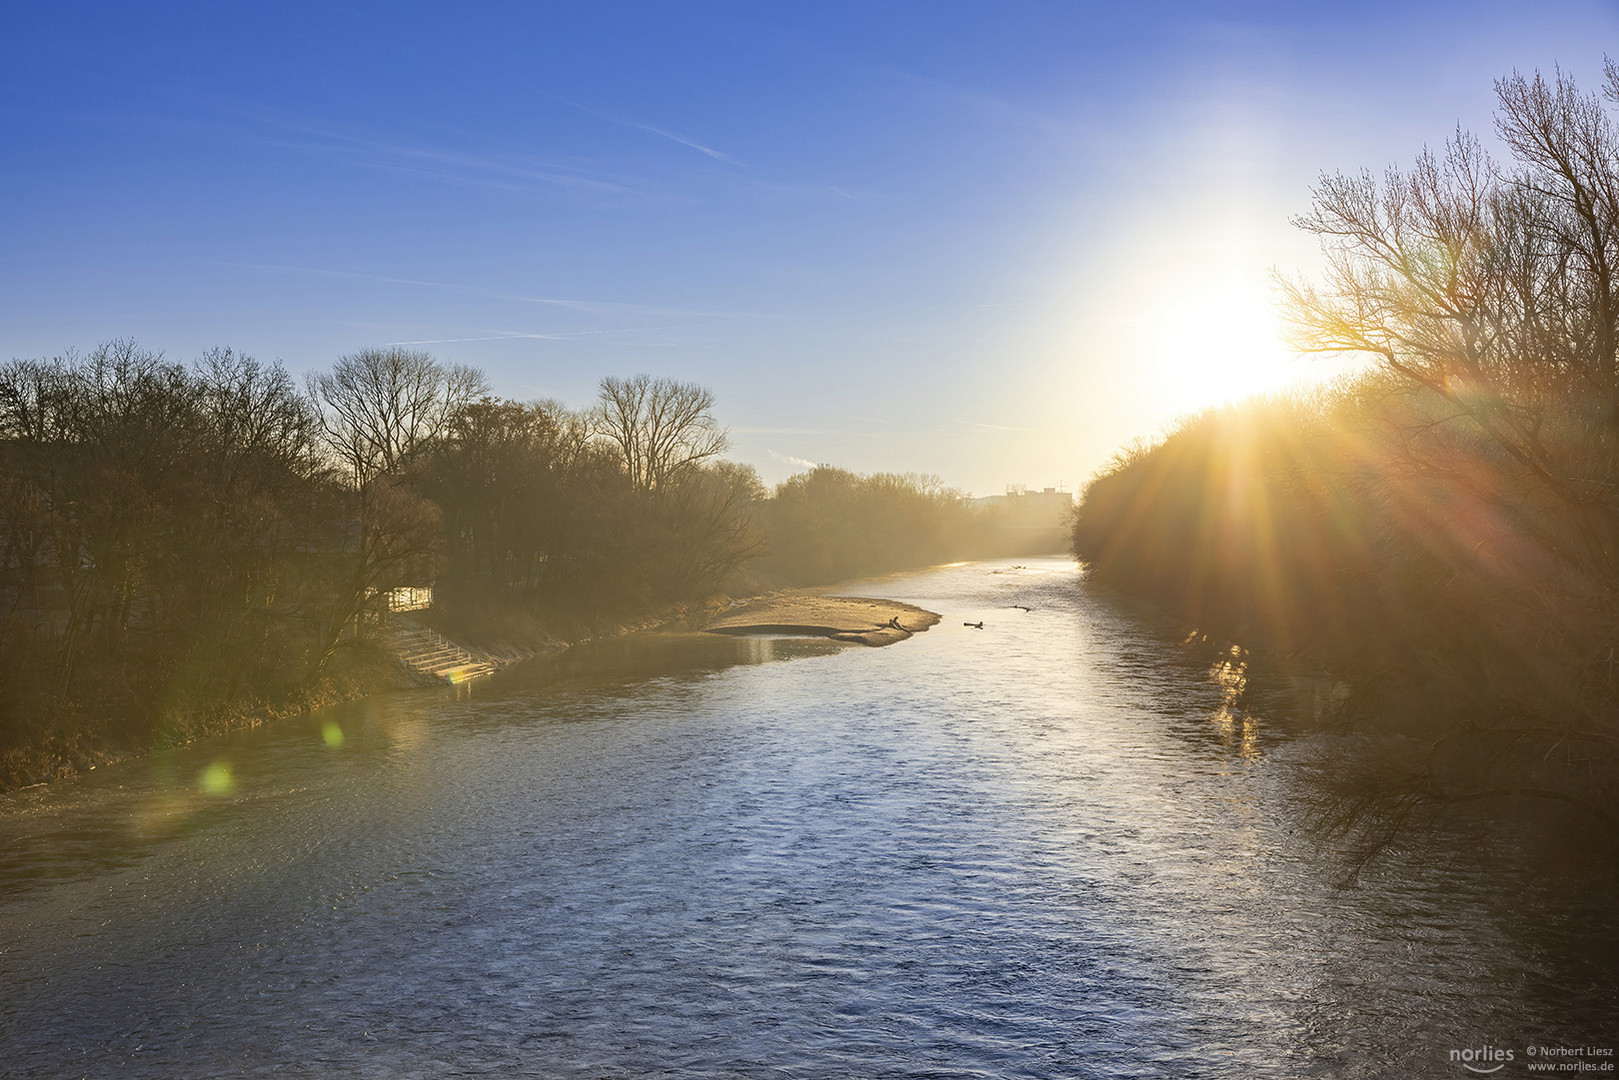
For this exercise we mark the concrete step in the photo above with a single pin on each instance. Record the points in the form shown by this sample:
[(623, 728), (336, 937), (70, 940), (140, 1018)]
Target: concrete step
[(428, 651), (459, 673), (434, 656)]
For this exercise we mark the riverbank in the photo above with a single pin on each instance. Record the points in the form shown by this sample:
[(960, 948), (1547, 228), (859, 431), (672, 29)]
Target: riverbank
[(1469, 610), (361, 672), (72, 749)]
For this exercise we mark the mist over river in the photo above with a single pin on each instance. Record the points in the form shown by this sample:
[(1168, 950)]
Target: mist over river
[(1052, 847)]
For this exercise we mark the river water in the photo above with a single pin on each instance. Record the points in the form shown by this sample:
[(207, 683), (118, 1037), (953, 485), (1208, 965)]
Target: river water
[(1053, 847)]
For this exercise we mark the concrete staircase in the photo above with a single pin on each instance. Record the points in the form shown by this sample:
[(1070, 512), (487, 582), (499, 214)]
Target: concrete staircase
[(431, 652)]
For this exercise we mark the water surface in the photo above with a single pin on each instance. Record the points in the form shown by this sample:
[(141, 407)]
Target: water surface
[(1048, 848)]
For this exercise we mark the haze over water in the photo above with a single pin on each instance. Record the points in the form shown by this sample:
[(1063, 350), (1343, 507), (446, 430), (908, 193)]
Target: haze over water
[(1048, 848)]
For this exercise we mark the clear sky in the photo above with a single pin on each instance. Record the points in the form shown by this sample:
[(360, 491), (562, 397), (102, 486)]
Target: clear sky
[(991, 241)]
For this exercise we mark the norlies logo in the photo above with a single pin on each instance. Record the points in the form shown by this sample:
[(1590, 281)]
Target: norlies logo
[(1489, 1058)]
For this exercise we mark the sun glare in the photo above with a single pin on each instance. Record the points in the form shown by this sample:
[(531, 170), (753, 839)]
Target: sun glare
[(1221, 348)]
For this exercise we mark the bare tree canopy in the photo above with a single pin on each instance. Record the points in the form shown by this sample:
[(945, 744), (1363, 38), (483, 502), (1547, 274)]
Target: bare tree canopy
[(255, 407), (379, 404), (1493, 286), (663, 429), (1472, 278)]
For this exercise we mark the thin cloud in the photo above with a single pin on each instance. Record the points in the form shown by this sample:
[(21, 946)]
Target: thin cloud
[(590, 307), (841, 433), (521, 335), (995, 109), (673, 136), (683, 141), (451, 166)]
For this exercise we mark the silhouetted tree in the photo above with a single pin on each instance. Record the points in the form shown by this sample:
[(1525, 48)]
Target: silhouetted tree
[(706, 528), (379, 404), (153, 531), (1495, 290), (662, 428), (827, 524), (503, 474)]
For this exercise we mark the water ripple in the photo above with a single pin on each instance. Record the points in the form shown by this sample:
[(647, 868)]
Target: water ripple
[(1049, 848)]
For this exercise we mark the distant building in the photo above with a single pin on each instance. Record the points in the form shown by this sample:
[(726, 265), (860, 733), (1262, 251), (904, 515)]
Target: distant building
[(1030, 522)]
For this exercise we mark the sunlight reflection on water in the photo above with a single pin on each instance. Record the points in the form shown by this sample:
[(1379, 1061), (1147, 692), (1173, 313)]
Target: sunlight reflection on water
[(1058, 846)]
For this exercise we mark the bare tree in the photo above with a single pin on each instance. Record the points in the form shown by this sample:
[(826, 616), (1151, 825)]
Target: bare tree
[(1570, 186), (663, 429), (710, 525), (1489, 295), (256, 418), (379, 404), (376, 407), (1494, 288)]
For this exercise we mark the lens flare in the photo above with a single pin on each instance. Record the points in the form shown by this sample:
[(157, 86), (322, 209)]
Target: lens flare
[(217, 779)]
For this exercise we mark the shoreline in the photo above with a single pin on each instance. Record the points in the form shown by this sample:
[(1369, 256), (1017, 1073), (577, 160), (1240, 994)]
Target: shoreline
[(858, 620), (66, 756)]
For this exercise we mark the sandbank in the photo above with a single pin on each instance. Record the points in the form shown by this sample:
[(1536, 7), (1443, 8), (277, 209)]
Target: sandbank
[(843, 618)]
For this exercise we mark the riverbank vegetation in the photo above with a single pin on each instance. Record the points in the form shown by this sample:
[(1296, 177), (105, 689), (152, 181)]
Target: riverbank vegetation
[(828, 524), (1443, 530), (186, 547)]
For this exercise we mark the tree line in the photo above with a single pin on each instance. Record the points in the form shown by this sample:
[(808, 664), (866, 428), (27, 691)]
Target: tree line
[(182, 544), (1444, 529)]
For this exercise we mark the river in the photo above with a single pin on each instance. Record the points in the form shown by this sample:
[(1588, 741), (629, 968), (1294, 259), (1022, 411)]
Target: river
[(1052, 847)]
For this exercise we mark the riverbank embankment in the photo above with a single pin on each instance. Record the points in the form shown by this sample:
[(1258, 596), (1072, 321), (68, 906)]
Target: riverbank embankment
[(388, 664), (82, 738)]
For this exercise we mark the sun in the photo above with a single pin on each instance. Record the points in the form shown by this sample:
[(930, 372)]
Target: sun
[(1219, 347)]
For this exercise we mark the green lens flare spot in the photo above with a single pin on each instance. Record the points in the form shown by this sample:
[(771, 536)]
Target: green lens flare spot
[(332, 734), (216, 779)]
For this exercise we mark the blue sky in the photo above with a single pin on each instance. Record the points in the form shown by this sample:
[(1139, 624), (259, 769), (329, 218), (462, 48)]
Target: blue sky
[(987, 241)]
